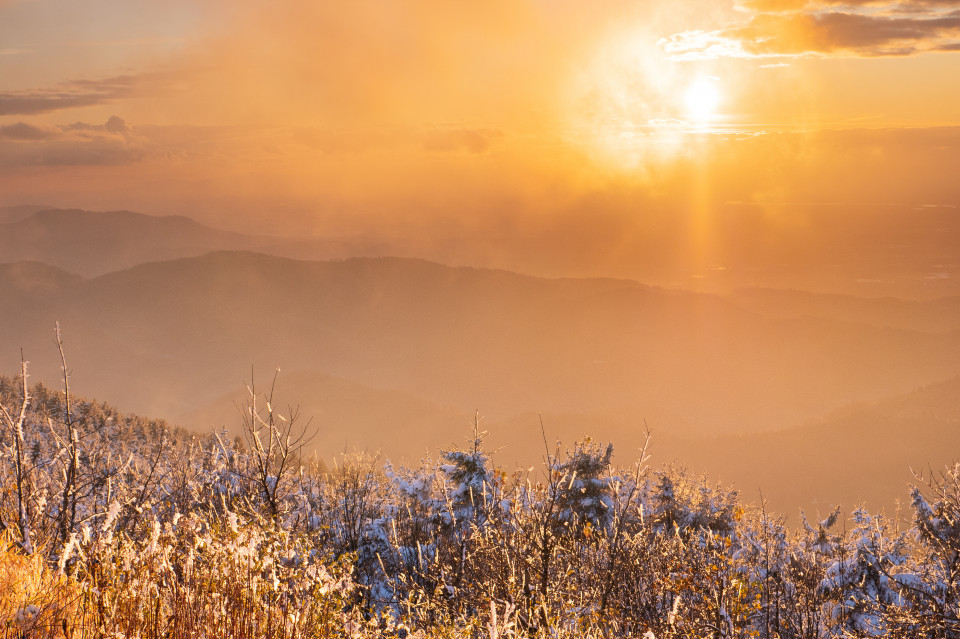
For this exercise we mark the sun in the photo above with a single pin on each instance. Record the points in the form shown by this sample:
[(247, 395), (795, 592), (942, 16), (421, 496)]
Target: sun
[(702, 99)]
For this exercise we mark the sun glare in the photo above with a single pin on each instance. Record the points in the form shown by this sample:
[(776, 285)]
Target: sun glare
[(702, 99)]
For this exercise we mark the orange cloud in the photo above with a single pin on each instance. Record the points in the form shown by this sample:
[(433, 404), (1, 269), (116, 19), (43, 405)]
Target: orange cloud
[(904, 6), (78, 144), (792, 28), (24, 131), (68, 95)]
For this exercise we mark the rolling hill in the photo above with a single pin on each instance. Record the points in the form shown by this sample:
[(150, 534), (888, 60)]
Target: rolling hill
[(862, 452), (93, 243), (169, 338), (16, 213), (399, 353)]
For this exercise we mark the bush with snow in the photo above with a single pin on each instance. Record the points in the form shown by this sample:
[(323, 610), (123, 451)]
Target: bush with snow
[(171, 534)]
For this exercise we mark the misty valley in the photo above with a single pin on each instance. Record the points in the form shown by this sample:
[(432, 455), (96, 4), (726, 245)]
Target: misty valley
[(814, 399), (222, 440)]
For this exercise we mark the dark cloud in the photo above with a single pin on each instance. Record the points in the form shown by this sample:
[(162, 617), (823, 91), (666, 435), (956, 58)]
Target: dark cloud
[(115, 125), (69, 95), (785, 6), (79, 144), (24, 131), (793, 28), (20, 103), (831, 32)]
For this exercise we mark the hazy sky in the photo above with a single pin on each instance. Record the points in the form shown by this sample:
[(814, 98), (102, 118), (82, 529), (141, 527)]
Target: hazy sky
[(597, 128)]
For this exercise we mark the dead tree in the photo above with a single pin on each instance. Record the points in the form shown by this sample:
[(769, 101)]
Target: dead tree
[(20, 470), (276, 443), (71, 444)]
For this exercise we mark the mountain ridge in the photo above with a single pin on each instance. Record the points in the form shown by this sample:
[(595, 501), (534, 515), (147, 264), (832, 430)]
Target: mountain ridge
[(435, 343), (373, 316), (92, 243)]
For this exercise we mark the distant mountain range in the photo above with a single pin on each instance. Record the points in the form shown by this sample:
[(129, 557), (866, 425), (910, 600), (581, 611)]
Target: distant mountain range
[(398, 354), (92, 243), (16, 213)]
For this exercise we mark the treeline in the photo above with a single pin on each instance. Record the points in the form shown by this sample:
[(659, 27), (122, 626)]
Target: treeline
[(116, 526)]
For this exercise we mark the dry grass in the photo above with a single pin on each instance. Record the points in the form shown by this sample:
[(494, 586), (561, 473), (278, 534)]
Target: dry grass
[(34, 601)]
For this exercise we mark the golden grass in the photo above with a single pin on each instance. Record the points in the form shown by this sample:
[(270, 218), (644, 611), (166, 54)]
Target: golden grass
[(34, 601)]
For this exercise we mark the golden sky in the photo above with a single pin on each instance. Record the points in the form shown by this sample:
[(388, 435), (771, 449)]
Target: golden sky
[(602, 129)]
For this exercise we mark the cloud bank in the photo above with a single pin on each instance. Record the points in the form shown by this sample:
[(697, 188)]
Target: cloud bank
[(791, 28), (78, 144), (69, 95)]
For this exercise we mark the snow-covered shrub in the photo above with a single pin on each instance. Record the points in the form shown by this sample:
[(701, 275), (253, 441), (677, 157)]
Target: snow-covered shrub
[(934, 592), (175, 536), (864, 581), (585, 486)]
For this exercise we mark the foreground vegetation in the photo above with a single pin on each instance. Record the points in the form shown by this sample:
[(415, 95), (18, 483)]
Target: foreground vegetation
[(117, 526)]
